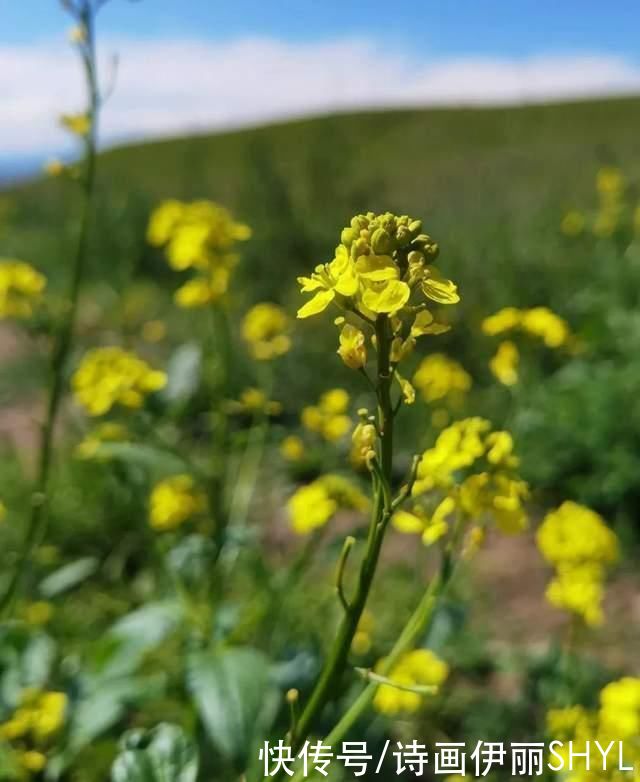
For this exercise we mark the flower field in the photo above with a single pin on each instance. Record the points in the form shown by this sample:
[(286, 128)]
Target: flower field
[(271, 448)]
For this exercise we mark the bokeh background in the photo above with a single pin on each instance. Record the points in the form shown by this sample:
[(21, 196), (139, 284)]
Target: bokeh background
[(512, 129)]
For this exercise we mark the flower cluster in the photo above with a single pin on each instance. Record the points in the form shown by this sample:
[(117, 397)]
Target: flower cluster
[(439, 376), (615, 210), (616, 719), (383, 267), (579, 545), (32, 726), (77, 124), (468, 476), (107, 432), (416, 674), (173, 501), (110, 376), (328, 418), (505, 362), (313, 505), (265, 330), (200, 235), (20, 288), (538, 322), (253, 401)]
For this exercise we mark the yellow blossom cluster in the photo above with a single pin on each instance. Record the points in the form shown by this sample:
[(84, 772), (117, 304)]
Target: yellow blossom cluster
[(439, 376), (504, 364), (198, 235), (32, 726), (614, 211), (363, 442), (468, 476), (328, 417), (20, 289), (112, 376), (265, 330), (292, 448), (538, 322), (578, 544), (173, 501), (313, 505), (77, 124), (107, 432), (417, 673), (616, 719), (253, 401), (382, 268)]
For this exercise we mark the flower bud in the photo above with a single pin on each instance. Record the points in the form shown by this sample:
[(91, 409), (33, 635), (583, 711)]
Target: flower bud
[(347, 236), (381, 242), (415, 227)]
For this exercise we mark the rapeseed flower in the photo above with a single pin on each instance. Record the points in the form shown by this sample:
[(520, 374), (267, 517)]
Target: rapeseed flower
[(253, 401), (328, 418), (416, 674), (579, 545), (112, 376), (504, 364), (173, 501), (198, 235), (265, 330), (292, 448), (381, 264), (108, 432), (538, 322), (78, 124), (573, 223), (439, 376), (21, 287), (313, 505)]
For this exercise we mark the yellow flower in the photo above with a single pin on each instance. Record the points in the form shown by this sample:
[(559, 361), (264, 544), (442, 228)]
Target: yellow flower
[(420, 668), (54, 167), (381, 261), (108, 432), (264, 329), (352, 348), (504, 364), (33, 761), (620, 708), (577, 542), (328, 417), (542, 322), (21, 287), (109, 376), (572, 223), (504, 320), (363, 443), (254, 400), (609, 181), (416, 521), (439, 376), (575, 534), (292, 448), (579, 590), (78, 124), (174, 501), (78, 34), (3, 511), (329, 279), (198, 235), (312, 506)]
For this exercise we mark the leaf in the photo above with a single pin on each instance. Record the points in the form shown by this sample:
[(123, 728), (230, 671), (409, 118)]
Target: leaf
[(235, 699), (184, 369), (68, 576), (164, 754)]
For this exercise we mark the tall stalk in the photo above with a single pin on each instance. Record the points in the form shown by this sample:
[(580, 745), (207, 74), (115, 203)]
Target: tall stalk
[(381, 513), (84, 14)]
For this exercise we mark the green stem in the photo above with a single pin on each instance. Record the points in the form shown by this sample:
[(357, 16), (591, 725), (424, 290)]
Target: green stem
[(37, 524), (413, 630), (337, 659)]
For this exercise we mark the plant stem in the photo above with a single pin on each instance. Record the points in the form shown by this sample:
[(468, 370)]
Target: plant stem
[(36, 527), (337, 660)]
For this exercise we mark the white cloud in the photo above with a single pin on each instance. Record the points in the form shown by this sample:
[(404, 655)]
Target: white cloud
[(175, 86)]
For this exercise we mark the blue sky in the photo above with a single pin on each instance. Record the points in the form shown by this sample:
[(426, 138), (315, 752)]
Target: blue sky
[(195, 65), (443, 27)]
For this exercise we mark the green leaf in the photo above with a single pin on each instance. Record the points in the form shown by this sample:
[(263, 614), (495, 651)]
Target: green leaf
[(68, 577), (235, 699), (164, 754)]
